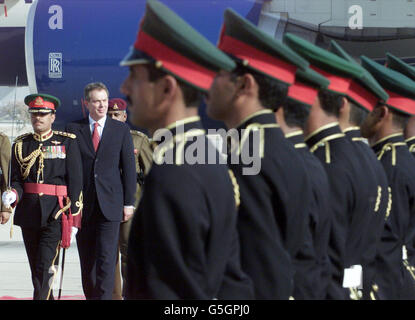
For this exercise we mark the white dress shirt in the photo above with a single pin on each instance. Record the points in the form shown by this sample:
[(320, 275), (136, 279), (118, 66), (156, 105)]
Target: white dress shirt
[(101, 123)]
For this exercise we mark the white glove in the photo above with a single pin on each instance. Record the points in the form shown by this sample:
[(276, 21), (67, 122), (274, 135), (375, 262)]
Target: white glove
[(73, 234), (8, 197)]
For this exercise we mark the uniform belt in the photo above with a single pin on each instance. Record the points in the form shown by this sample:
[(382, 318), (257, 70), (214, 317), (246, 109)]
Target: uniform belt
[(46, 189)]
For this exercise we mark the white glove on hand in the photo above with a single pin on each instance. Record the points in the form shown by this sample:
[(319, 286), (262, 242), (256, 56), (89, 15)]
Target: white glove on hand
[(8, 197), (73, 234)]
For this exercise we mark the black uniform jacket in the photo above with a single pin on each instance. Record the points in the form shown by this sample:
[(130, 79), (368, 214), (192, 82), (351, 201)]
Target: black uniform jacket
[(274, 201), (411, 145), (183, 242), (312, 262), (399, 165), (53, 159), (109, 174), (376, 176), (352, 200)]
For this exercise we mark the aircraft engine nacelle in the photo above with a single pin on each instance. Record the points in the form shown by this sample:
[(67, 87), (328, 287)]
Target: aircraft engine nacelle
[(71, 43)]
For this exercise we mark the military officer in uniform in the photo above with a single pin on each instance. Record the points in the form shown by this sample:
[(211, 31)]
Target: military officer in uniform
[(117, 110), (352, 195), (5, 148), (271, 220), (384, 128), (183, 241), (399, 65), (46, 185), (312, 266)]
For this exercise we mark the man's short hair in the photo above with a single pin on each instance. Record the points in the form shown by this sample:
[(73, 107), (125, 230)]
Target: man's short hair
[(295, 113), (357, 114), (192, 97), (399, 119), (272, 93), (331, 102), (94, 86)]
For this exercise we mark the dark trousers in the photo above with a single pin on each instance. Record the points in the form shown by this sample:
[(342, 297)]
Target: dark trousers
[(42, 248), (97, 247)]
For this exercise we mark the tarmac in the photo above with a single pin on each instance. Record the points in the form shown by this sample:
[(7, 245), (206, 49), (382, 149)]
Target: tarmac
[(15, 277)]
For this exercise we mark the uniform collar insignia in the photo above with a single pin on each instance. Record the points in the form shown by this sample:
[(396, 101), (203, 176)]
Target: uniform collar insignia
[(43, 137)]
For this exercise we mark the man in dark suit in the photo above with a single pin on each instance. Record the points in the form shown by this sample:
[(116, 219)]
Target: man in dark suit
[(109, 190)]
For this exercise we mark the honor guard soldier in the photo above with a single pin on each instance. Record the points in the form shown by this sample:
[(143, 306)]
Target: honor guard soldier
[(363, 95), (312, 265), (352, 197), (399, 65), (117, 110), (183, 242), (5, 148), (384, 128), (46, 187), (271, 220)]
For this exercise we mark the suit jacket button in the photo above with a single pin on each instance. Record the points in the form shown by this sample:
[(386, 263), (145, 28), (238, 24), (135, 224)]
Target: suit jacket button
[(95, 175)]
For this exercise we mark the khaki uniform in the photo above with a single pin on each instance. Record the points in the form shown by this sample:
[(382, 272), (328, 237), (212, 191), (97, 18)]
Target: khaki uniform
[(143, 159), (5, 148)]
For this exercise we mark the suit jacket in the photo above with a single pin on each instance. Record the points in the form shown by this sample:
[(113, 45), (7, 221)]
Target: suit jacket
[(109, 174)]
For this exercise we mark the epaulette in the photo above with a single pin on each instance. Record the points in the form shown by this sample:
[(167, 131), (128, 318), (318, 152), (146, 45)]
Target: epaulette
[(24, 135), (138, 133), (65, 134)]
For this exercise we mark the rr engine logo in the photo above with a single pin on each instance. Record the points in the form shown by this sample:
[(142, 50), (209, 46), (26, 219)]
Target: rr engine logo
[(55, 65)]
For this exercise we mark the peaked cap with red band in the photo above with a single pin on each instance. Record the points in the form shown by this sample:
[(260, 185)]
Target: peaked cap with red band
[(116, 104), (306, 86), (339, 71), (43, 103), (256, 50), (364, 91), (170, 44), (400, 88)]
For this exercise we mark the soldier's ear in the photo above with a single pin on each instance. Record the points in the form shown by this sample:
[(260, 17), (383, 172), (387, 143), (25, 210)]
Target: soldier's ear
[(53, 117), (246, 83)]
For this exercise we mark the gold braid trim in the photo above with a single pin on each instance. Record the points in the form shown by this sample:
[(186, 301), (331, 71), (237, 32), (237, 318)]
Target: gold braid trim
[(388, 210), (79, 204), (235, 188), (355, 294), (65, 208), (378, 198), (412, 148), (65, 134), (27, 163), (409, 268), (391, 146)]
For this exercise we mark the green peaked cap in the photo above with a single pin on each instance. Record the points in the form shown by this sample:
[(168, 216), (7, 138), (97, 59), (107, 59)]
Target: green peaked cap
[(257, 50), (41, 102), (399, 65), (172, 45), (366, 80), (398, 85), (326, 61), (312, 78), (306, 87)]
